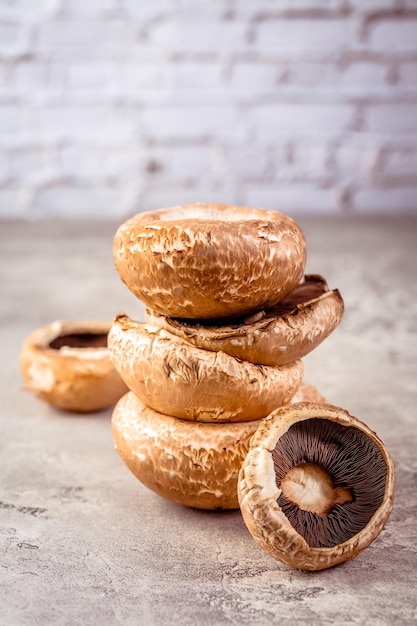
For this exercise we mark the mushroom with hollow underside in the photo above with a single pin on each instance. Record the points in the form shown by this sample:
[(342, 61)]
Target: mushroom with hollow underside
[(316, 487), (289, 331), (67, 364)]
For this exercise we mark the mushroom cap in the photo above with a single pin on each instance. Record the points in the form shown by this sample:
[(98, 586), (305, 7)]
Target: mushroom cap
[(203, 261), (194, 464), (176, 378), (258, 491), (80, 379), (281, 335)]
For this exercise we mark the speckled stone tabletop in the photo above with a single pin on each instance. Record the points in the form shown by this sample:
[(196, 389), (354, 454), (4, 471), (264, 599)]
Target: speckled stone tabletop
[(83, 542)]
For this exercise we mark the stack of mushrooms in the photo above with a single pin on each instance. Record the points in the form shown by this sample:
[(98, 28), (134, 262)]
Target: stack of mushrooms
[(215, 375)]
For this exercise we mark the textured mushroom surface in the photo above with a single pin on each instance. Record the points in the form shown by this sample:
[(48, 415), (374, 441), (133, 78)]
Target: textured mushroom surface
[(67, 364), (195, 464), (281, 335), (316, 487), (174, 377), (210, 260)]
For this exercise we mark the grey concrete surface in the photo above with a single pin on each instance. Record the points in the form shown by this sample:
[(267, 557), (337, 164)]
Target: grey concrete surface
[(83, 542)]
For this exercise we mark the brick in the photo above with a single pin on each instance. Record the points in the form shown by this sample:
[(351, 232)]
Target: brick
[(9, 32), (369, 6), (103, 124), (199, 36), (397, 200), (78, 202), (12, 205), (392, 118), (407, 73), (303, 36), (123, 77), (143, 75), (27, 10), (291, 199), (304, 8), (276, 120), (394, 35), (400, 164), (89, 162), (33, 165), (4, 167), (179, 163), (254, 76), (201, 10), (365, 74), (92, 8), (4, 82), (185, 122), (88, 75), (355, 159), (12, 119), (148, 10), (306, 73), (301, 160), (83, 162), (14, 39), (194, 74), (69, 40), (249, 161), (30, 76), (124, 161)]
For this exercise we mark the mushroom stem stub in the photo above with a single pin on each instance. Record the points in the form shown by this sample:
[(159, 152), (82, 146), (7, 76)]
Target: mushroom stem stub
[(309, 487)]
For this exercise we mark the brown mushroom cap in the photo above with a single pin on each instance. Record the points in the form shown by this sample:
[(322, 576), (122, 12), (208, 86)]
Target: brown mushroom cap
[(281, 335), (202, 261), (67, 364), (174, 377), (194, 464), (316, 487)]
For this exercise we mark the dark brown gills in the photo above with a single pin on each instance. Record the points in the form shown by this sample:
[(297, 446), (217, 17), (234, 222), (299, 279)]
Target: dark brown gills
[(352, 461), (81, 340)]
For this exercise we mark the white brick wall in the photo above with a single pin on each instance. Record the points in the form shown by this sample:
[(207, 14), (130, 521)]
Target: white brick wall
[(109, 107)]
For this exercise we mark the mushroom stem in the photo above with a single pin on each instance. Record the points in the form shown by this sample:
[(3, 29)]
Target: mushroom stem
[(310, 487)]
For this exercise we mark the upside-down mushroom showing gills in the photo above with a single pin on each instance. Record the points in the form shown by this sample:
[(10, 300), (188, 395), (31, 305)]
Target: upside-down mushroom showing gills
[(67, 364), (291, 329), (316, 487)]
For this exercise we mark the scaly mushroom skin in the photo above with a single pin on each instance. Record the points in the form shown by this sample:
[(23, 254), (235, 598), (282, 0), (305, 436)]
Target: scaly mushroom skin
[(78, 379), (174, 377), (258, 493), (203, 261), (193, 464), (281, 335)]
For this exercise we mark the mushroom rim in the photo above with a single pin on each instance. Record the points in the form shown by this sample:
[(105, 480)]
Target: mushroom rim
[(130, 340), (40, 339), (193, 464), (207, 212), (262, 472), (242, 326)]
